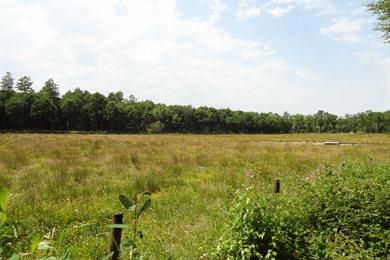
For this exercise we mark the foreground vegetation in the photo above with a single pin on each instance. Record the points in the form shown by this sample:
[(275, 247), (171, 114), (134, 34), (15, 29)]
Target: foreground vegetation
[(66, 187), (343, 215), (23, 109)]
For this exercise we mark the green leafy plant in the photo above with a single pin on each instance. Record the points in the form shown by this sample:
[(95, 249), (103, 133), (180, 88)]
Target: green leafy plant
[(262, 229), (4, 195), (8, 232), (350, 209), (135, 207), (345, 214)]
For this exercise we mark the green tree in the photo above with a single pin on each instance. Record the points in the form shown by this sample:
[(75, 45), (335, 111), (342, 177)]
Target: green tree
[(116, 96), (319, 121), (298, 123), (7, 82), (17, 110), (44, 113), (141, 115), (6, 92), (381, 8), (346, 124), (24, 85), (2, 115), (72, 110), (51, 90), (94, 109), (117, 116), (202, 120), (45, 110)]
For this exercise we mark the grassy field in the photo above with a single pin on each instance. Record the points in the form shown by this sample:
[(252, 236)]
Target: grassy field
[(71, 182)]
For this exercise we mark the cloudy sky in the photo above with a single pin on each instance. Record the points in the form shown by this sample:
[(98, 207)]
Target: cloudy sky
[(255, 55)]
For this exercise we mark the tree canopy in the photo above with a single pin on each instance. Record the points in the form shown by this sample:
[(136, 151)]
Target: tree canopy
[(80, 110), (382, 9)]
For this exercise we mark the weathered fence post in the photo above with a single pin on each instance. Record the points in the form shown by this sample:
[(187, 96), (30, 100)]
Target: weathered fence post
[(116, 235), (277, 186)]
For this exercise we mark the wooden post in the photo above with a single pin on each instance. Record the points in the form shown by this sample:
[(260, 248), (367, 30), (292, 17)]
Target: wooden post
[(277, 186), (116, 235)]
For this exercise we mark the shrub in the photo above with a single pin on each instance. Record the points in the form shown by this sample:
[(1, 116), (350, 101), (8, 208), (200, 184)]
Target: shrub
[(155, 128), (263, 229), (351, 205), (345, 214)]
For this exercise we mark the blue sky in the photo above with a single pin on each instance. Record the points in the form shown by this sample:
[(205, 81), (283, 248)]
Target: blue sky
[(298, 56)]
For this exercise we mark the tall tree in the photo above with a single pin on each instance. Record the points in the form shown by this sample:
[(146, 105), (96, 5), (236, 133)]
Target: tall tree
[(2, 116), (94, 109), (51, 90), (117, 116), (72, 109), (24, 85), (6, 92), (45, 113), (382, 9), (17, 109), (7, 82)]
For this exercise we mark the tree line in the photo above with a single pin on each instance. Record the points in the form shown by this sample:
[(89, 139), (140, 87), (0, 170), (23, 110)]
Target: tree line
[(21, 108)]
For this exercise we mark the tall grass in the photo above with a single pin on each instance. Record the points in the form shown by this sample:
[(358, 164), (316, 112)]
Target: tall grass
[(71, 182)]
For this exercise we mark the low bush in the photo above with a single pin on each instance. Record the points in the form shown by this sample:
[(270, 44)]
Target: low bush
[(344, 214)]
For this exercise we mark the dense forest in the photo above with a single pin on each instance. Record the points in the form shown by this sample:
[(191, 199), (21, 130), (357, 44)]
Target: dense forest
[(21, 108)]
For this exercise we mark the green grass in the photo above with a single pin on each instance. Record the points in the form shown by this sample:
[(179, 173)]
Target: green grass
[(71, 182)]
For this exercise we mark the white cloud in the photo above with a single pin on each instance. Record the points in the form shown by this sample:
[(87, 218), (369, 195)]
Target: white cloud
[(147, 49), (279, 11), (324, 5), (217, 7), (346, 30), (247, 9), (280, 7)]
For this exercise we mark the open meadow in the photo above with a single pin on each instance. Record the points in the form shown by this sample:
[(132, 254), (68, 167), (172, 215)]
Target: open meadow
[(68, 184)]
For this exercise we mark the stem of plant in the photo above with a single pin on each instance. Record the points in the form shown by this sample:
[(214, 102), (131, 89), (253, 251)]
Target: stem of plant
[(135, 228), (135, 219)]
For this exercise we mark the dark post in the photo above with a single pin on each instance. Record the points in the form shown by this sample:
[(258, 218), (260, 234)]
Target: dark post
[(116, 237), (277, 186)]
